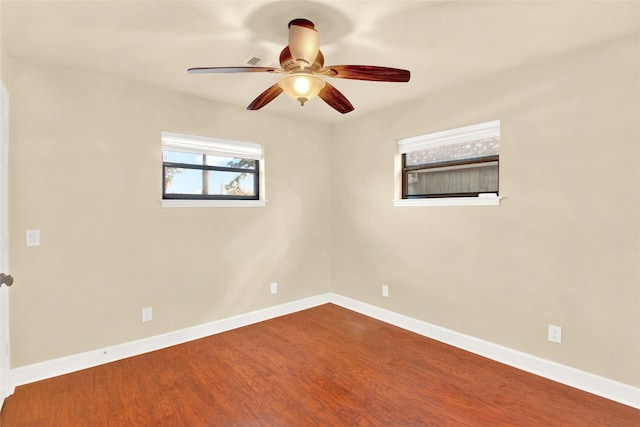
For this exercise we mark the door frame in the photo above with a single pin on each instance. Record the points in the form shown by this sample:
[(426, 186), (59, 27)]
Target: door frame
[(6, 387)]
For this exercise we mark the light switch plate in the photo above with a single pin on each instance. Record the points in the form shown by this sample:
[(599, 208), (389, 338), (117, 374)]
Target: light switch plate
[(33, 237), (147, 314)]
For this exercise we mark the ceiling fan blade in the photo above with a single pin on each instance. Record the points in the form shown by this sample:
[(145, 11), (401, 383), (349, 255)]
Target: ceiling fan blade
[(203, 70), (368, 72), (335, 99), (265, 97)]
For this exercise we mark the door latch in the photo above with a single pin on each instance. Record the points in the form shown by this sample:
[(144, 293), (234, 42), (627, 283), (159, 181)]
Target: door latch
[(6, 279)]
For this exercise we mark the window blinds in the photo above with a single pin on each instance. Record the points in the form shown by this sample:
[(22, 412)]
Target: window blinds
[(173, 141), (482, 131)]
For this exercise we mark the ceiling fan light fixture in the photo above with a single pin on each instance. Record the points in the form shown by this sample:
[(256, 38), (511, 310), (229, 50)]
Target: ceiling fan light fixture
[(301, 86), (302, 62)]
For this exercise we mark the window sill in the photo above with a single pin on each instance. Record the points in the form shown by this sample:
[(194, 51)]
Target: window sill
[(450, 201), (175, 203)]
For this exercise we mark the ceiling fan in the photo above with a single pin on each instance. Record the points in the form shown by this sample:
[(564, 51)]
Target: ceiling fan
[(303, 66)]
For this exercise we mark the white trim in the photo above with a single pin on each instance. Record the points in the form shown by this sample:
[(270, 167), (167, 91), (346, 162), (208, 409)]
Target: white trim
[(213, 146), (6, 387), (450, 136), (586, 381), (450, 201), (184, 203), (609, 389), (64, 365)]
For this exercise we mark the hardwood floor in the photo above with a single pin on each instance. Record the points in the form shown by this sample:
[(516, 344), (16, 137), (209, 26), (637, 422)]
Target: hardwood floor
[(326, 366)]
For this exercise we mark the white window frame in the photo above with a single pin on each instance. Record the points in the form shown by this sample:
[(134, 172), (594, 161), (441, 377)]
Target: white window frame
[(439, 139), (198, 144)]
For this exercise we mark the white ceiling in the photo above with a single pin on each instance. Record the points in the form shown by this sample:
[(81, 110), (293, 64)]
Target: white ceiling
[(442, 43)]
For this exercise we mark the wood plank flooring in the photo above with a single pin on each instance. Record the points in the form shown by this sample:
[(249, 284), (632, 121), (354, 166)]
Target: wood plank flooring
[(326, 366)]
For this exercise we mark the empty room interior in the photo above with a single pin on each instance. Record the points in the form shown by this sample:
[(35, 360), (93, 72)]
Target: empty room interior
[(331, 225)]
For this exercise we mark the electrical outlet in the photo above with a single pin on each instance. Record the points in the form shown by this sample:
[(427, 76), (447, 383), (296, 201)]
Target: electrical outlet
[(385, 290), (274, 288), (147, 314), (555, 334)]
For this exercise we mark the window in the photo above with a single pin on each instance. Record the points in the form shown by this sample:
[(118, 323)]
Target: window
[(456, 163), (205, 170)]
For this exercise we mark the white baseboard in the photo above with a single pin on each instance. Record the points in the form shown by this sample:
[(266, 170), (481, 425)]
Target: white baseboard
[(604, 387), (582, 380), (64, 365)]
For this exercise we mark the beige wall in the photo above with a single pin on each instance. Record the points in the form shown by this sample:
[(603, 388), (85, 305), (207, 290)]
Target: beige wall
[(86, 171), (3, 53), (563, 247)]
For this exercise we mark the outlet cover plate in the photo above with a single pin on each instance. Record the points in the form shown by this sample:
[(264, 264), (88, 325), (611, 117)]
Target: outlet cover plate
[(555, 334)]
